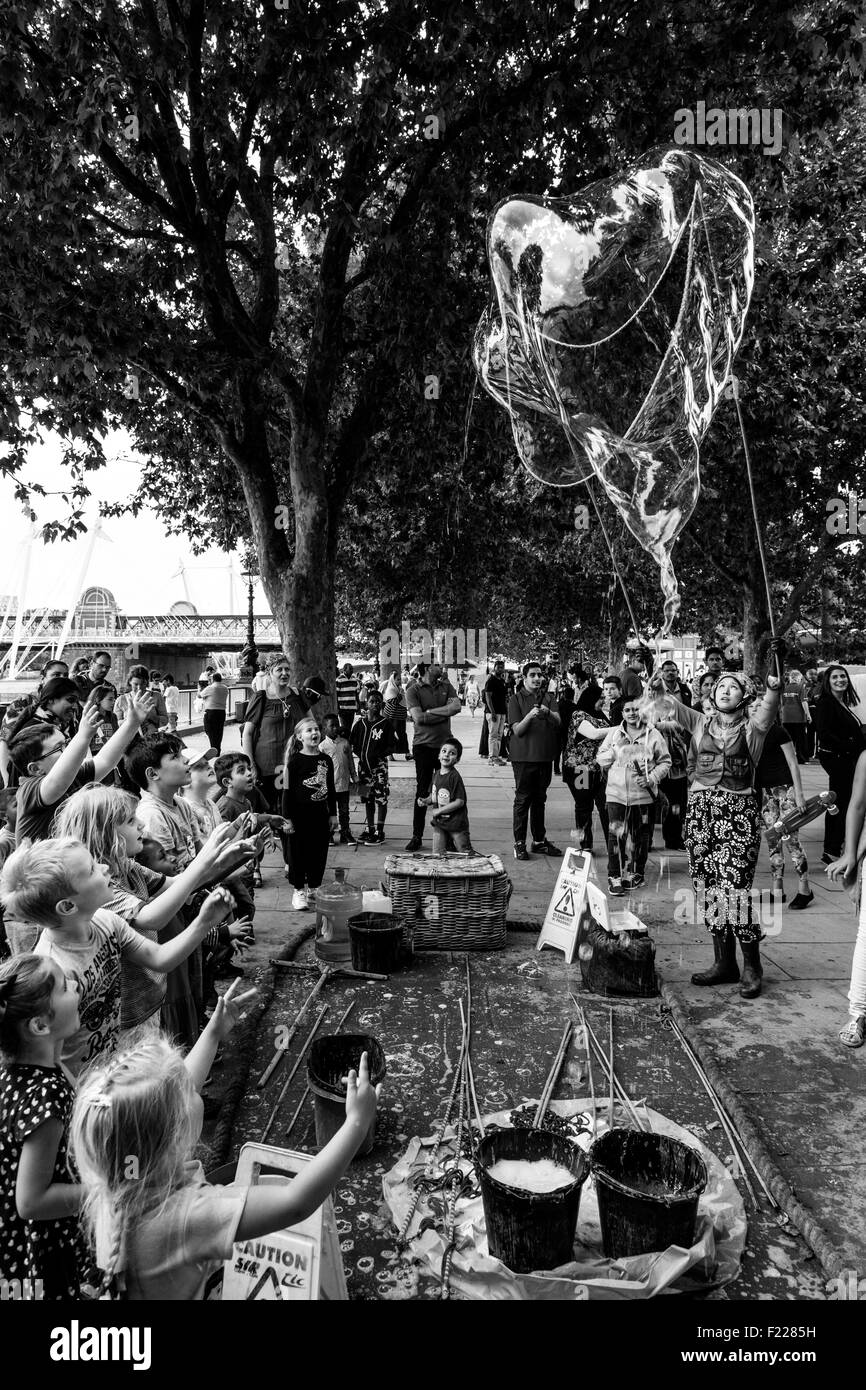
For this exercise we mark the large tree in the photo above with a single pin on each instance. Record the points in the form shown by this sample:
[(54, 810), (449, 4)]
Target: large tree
[(234, 228)]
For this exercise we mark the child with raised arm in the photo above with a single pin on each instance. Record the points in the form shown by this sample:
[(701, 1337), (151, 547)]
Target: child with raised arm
[(38, 1199), (105, 821), (59, 886), (164, 1236), (52, 767)]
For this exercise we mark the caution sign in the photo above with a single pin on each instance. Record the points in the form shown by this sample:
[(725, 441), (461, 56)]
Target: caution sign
[(302, 1263), (566, 905), (276, 1267)]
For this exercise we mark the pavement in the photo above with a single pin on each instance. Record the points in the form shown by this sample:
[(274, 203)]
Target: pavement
[(781, 1052)]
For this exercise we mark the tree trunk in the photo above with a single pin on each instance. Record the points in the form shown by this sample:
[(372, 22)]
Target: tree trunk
[(299, 582)]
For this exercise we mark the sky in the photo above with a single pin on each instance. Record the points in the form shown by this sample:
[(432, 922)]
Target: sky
[(135, 558)]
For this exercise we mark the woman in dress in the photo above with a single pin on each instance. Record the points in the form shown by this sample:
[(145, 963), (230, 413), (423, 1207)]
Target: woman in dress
[(839, 737), (723, 822)]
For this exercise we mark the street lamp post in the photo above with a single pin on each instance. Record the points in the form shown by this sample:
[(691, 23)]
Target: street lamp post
[(251, 652)]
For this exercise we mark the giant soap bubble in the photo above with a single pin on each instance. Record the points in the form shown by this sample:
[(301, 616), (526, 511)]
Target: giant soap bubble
[(617, 316)]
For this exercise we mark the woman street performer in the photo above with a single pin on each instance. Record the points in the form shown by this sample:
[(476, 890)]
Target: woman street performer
[(723, 822)]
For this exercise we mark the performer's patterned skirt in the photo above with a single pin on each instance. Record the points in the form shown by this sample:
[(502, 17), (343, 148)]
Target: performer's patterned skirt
[(723, 838)]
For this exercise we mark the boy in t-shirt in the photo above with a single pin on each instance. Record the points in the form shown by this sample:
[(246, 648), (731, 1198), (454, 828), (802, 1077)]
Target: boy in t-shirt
[(59, 886), (372, 740), (450, 822), (233, 774), (339, 750), (780, 786), (52, 767), (197, 794)]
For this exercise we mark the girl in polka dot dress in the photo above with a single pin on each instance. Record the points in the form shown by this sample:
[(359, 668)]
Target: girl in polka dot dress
[(39, 1235)]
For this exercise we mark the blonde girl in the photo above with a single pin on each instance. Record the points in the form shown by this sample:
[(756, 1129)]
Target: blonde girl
[(160, 1231), (38, 1200), (105, 821)]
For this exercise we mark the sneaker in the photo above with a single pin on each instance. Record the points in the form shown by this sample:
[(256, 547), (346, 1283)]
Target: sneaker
[(310, 895), (545, 847), (637, 881), (299, 900), (369, 838), (347, 838), (615, 888), (380, 835), (520, 851), (854, 1033), (801, 900), (414, 845)]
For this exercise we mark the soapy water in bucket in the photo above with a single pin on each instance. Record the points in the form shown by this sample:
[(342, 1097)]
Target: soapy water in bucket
[(531, 1175), (618, 314)]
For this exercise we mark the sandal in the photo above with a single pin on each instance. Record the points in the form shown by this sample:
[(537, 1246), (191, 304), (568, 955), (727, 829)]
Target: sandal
[(854, 1032)]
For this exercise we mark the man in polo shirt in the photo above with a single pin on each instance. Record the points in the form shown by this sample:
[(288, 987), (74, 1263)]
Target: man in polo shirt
[(214, 697), (535, 726), (496, 708), (347, 698), (430, 702)]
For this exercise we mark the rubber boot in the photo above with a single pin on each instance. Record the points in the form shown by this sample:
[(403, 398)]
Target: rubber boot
[(750, 986), (724, 971)]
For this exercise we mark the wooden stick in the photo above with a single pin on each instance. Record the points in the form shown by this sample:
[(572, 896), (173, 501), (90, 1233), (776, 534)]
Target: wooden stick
[(475, 1104), (591, 1082), (582, 1021), (620, 1089), (338, 970), (304, 1098), (299, 1017), (291, 1076), (610, 1074), (727, 1124), (553, 1075)]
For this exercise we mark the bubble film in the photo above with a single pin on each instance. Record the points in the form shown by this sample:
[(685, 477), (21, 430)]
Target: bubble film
[(617, 315)]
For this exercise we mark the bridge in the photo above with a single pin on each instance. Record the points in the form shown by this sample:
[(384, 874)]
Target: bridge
[(150, 629)]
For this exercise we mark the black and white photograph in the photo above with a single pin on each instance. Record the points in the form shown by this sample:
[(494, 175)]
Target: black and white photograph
[(432, 672)]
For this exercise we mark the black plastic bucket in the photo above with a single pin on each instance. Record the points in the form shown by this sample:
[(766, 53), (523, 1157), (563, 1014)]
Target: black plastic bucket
[(331, 1058), (376, 939), (530, 1230), (648, 1187)]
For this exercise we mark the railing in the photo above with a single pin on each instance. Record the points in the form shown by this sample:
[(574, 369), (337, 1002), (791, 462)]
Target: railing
[(187, 714), (160, 627)]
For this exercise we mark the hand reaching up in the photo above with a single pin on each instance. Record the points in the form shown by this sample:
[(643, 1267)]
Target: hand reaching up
[(361, 1097)]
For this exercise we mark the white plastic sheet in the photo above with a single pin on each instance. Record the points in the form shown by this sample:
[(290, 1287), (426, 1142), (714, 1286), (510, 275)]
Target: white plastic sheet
[(712, 1261)]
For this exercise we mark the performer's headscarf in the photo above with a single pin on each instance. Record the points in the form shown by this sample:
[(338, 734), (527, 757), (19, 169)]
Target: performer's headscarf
[(747, 686)]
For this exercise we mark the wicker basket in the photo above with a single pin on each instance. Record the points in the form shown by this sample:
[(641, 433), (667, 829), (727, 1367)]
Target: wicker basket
[(463, 898)]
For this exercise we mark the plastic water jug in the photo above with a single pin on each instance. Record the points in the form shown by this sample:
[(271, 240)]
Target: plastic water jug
[(335, 903)]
